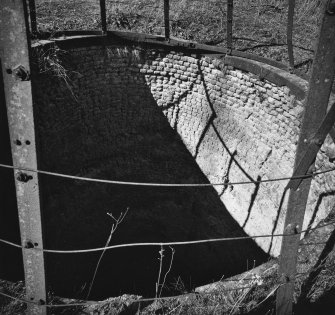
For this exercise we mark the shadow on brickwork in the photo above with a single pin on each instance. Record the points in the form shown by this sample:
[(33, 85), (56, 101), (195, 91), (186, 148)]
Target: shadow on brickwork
[(276, 221), (116, 130), (226, 177), (233, 155)]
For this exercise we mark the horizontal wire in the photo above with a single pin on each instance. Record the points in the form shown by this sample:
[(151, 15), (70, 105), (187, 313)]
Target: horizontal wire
[(168, 297), (107, 181), (78, 251)]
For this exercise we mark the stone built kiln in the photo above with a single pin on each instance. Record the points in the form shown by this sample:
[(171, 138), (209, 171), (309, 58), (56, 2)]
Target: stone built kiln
[(148, 114)]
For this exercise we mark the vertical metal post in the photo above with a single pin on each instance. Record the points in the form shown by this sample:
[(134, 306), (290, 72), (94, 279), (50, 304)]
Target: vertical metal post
[(315, 108), (167, 19), (14, 52), (289, 33), (32, 14), (230, 7), (103, 16)]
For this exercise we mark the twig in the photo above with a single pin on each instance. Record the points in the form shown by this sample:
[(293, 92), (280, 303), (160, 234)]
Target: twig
[(179, 305), (239, 301), (161, 256), (171, 261), (117, 222)]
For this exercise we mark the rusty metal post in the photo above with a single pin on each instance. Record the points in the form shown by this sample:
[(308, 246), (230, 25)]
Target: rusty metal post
[(14, 53), (167, 19), (315, 109), (230, 7), (289, 33), (32, 14), (103, 16)]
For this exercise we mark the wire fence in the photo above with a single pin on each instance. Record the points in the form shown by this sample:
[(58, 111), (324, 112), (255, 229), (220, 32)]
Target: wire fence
[(178, 22), (316, 173), (161, 244)]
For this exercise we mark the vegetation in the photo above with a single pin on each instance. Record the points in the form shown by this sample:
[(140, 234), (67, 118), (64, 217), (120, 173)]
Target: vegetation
[(258, 26), (255, 298)]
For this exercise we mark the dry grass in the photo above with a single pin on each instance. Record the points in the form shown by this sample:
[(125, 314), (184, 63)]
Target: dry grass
[(259, 26), (51, 61), (9, 306), (254, 297)]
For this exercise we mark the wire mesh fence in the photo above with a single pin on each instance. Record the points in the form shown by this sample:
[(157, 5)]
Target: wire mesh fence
[(243, 285)]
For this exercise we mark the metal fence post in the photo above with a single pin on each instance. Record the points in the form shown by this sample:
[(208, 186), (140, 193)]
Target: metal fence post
[(315, 109), (32, 14), (14, 52), (167, 19), (103, 16), (230, 7), (289, 33)]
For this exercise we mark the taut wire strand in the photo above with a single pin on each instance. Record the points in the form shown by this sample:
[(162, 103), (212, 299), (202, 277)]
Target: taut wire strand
[(116, 182), (90, 250)]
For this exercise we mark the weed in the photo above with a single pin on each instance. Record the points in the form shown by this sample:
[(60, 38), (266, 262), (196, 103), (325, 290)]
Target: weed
[(131, 56), (49, 61), (117, 222), (159, 285)]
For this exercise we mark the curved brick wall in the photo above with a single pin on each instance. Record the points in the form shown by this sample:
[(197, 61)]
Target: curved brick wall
[(160, 116)]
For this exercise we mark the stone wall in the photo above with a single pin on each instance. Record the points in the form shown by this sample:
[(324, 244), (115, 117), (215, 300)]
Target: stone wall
[(166, 117), (238, 127), (241, 128)]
